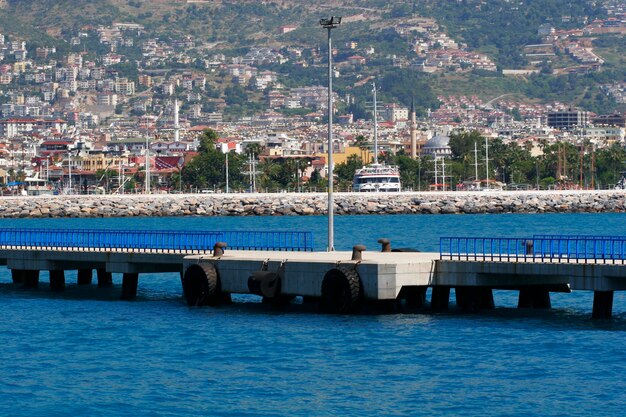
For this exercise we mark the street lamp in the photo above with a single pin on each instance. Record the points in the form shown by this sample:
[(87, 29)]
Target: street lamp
[(330, 24)]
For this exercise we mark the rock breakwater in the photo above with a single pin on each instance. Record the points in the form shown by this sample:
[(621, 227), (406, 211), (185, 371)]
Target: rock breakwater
[(312, 204)]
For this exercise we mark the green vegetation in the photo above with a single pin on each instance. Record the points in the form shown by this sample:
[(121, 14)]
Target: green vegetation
[(506, 25), (577, 89), (497, 27), (208, 168), (404, 85), (562, 165)]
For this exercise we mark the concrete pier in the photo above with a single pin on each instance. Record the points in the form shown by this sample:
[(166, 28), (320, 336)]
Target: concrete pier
[(340, 282), (440, 298), (602, 304), (84, 277), (31, 278), (57, 280), (17, 276), (130, 281), (414, 296), (534, 297), (473, 299), (105, 279)]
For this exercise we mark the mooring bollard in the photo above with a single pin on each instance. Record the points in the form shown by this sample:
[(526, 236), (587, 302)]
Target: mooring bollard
[(528, 246), (218, 249), (386, 245), (357, 252)]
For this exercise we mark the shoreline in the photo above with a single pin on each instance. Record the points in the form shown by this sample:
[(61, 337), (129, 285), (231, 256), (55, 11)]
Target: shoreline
[(303, 204)]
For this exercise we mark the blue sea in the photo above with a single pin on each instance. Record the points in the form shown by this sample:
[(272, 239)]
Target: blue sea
[(85, 352)]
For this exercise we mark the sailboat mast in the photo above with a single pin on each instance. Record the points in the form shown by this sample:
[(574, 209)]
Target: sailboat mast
[(375, 125), (487, 161), (475, 162), (443, 173), (120, 190)]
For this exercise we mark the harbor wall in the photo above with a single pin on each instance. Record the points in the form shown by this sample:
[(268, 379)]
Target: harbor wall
[(313, 204)]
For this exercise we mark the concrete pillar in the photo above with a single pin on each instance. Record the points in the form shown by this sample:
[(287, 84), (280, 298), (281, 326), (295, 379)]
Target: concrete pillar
[(84, 277), (462, 297), (57, 280), (602, 304), (534, 297), (415, 296), (31, 278), (440, 298), (306, 299), (18, 276), (542, 299), (485, 295), (226, 298), (472, 299), (105, 279), (129, 286)]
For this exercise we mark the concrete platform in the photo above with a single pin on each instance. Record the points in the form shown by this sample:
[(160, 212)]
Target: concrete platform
[(341, 280), (382, 274)]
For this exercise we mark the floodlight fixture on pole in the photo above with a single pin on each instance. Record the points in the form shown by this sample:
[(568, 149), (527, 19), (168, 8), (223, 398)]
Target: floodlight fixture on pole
[(330, 24)]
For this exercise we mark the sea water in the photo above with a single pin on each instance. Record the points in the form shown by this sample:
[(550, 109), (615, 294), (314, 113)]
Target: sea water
[(84, 352)]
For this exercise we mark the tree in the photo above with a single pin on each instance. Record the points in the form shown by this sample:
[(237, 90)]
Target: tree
[(208, 168), (345, 171), (235, 94), (463, 143)]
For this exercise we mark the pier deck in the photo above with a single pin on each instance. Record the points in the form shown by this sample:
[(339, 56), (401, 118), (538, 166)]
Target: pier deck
[(340, 281)]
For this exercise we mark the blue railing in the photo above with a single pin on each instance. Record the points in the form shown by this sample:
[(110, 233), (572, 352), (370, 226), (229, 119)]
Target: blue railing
[(589, 237), (544, 249), (156, 240)]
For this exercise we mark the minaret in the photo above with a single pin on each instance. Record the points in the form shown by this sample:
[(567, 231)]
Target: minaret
[(413, 130), (176, 125)]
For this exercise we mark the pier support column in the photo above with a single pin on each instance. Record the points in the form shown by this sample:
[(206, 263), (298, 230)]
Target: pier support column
[(440, 298), (602, 304), (306, 299), (486, 298), (31, 278), (18, 276), (57, 280), (472, 299), (105, 279), (414, 296), (84, 277), (129, 286), (534, 297)]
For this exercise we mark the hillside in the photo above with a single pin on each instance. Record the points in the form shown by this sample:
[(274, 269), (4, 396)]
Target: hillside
[(498, 29)]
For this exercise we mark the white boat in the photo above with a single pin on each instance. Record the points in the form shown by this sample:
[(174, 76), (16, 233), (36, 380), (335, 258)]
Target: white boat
[(37, 186), (377, 178)]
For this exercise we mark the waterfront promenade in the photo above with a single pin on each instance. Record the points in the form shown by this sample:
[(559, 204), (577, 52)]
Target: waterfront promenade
[(286, 204)]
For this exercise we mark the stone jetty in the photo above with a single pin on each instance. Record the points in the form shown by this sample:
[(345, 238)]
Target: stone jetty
[(313, 204)]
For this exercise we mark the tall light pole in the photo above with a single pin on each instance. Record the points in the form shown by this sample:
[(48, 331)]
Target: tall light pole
[(330, 24), (69, 168), (147, 164), (227, 187)]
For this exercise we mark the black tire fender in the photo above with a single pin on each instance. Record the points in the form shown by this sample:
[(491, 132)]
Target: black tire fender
[(201, 285), (342, 291)]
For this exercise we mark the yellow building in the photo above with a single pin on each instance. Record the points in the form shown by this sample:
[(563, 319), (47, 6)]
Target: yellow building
[(19, 67), (342, 157), (101, 161)]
